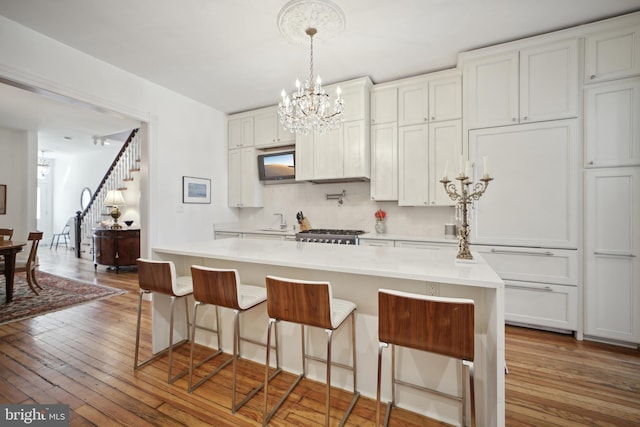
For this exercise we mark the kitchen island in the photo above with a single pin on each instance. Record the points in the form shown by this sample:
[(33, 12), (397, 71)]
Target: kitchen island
[(356, 273)]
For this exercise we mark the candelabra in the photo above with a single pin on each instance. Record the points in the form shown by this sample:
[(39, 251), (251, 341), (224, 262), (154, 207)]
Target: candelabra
[(467, 194)]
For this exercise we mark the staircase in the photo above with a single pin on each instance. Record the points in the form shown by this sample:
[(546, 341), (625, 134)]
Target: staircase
[(121, 171)]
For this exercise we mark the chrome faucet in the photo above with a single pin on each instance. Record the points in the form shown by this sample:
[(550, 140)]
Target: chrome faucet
[(283, 222)]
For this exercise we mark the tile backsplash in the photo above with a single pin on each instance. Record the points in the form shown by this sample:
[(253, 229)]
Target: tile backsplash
[(356, 211)]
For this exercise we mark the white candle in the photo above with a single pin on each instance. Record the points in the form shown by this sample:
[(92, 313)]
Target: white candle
[(446, 169), (467, 169), (460, 168), (485, 162)]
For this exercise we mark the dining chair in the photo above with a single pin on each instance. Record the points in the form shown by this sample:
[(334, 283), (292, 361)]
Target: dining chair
[(5, 234), (64, 234), (29, 265)]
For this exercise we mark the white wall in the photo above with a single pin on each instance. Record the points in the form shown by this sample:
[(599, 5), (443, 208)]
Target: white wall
[(17, 171), (184, 137)]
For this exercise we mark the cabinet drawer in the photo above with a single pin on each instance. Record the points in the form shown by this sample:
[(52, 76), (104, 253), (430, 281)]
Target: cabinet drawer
[(537, 304), (227, 235), (557, 266), (375, 242), (423, 245)]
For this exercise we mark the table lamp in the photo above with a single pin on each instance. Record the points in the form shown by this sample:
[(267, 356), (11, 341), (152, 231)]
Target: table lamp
[(114, 199)]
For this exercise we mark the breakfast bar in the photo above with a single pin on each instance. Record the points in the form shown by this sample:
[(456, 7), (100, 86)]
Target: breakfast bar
[(356, 273)]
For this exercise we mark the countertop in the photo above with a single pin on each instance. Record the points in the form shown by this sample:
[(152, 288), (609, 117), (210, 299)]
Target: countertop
[(401, 263), (373, 236)]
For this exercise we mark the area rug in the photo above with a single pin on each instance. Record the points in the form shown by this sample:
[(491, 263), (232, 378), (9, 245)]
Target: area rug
[(57, 293)]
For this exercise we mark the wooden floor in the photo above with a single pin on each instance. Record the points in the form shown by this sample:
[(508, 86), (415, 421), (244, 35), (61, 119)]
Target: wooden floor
[(83, 357)]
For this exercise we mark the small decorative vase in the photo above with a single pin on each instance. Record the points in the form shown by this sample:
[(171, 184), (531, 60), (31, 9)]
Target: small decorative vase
[(380, 227)]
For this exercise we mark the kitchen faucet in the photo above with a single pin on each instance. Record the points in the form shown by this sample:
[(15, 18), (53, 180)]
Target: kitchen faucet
[(283, 222)]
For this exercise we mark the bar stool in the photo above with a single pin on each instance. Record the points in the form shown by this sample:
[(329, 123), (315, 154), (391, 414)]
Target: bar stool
[(160, 277), (222, 288), (433, 324), (309, 303)]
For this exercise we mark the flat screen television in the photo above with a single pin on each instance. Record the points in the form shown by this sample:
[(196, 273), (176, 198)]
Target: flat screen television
[(279, 166)]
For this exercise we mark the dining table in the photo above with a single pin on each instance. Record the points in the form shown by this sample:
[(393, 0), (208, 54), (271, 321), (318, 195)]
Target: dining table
[(9, 248)]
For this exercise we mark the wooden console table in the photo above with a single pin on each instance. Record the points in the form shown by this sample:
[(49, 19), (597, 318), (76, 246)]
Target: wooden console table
[(115, 248)]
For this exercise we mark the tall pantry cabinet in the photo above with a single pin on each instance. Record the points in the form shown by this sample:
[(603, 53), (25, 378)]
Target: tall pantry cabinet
[(612, 185)]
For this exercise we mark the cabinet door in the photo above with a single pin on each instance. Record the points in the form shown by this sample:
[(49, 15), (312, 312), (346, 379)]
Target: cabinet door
[(533, 199), (413, 104), (413, 165), (612, 249), (541, 304), (356, 150), (245, 189), (612, 54), (612, 136), (328, 154), (240, 132), (235, 179), (384, 162), (251, 185), (304, 157), (265, 128), (384, 105), (549, 81), (491, 91), (445, 145), (445, 99)]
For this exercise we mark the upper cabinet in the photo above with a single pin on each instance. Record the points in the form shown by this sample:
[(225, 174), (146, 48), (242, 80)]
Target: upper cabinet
[(430, 98), (240, 128), (536, 83), (612, 126), (245, 189), (268, 132), (612, 54), (384, 105)]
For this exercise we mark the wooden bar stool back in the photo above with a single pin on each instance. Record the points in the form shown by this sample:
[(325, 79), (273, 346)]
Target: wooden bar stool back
[(222, 288), (309, 303), (160, 277), (438, 325)]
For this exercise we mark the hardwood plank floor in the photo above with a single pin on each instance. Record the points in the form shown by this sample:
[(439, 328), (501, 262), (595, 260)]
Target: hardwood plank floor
[(83, 357)]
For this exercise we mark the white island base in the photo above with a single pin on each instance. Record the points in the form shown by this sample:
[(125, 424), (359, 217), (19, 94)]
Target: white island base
[(356, 273)]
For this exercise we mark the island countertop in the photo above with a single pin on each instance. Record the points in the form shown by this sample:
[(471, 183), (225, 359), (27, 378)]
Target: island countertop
[(400, 263)]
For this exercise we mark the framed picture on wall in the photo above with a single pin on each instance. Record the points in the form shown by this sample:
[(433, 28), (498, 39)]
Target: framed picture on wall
[(196, 190), (3, 199)]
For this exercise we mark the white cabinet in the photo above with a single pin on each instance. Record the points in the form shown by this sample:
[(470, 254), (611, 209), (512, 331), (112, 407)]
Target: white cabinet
[(376, 242), (612, 123), (245, 189), (430, 98), (534, 84), (227, 235), (533, 199), (384, 105), (240, 129), (345, 152), (541, 305), (384, 161), (541, 285), (612, 252), (423, 151), (268, 132), (432, 246), (612, 54)]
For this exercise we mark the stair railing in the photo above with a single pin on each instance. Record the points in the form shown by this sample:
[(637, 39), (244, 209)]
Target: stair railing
[(119, 173)]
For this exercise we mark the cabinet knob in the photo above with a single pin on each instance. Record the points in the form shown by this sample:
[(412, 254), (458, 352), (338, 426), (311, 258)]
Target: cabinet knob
[(373, 120), (590, 162), (513, 119), (526, 118), (592, 76), (426, 119), (433, 118)]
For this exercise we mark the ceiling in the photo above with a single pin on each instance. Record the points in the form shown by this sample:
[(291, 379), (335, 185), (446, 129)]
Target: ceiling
[(230, 55)]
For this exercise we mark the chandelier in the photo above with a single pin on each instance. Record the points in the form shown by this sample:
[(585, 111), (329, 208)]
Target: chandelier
[(43, 166), (309, 107)]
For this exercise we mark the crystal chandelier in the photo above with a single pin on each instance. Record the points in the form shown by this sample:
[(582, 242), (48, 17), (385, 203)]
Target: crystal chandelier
[(309, 108), (43, 166)]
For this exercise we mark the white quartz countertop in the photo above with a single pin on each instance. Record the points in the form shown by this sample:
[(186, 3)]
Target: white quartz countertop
[(401, 263)]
